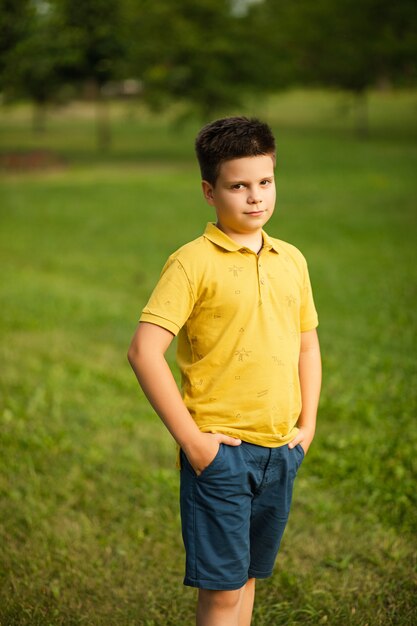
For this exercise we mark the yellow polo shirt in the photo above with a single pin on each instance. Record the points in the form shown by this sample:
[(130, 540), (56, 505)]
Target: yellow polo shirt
[(238, 317)]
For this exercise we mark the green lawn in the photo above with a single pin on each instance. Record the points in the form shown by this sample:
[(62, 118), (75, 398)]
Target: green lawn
[(89, 522)]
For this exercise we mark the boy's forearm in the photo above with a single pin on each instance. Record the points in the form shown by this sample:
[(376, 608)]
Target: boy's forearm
[(159, 386), (146, 356), (310, 382)]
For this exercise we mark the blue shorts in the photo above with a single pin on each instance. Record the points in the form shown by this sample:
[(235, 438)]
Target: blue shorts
[(234, 513)]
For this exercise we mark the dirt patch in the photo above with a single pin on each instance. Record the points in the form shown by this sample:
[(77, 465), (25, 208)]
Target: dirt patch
[(29, 161)]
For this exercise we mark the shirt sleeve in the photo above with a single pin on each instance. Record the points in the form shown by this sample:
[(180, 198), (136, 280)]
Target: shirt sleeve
[(172, 300), (308, 313)]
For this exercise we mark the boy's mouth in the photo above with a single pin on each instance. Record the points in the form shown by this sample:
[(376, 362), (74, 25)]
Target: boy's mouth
[(255, 213)]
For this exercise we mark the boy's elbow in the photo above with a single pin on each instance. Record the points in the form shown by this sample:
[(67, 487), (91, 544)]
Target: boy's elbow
[(130, 355), (133, 354), (150, 342)]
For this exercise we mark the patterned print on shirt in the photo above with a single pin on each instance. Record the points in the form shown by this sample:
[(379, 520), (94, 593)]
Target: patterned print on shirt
[(235, 269), (242, 354)]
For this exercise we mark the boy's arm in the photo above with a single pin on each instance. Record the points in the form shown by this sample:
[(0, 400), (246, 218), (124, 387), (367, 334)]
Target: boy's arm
[(309, 368), (146, 356)]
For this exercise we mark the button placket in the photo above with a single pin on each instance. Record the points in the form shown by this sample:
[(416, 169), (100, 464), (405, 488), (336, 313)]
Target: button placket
[(261, 281)]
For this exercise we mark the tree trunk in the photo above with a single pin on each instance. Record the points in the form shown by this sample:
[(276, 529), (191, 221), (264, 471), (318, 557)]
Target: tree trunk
[(39, 117), (362, 114), (103, 132), (103, 124)]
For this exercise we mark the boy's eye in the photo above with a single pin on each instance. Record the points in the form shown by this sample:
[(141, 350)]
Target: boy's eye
[(265, 182), (238, 186)]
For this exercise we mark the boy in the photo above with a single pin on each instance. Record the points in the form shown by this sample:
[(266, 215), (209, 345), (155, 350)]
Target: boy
[(241, 305)]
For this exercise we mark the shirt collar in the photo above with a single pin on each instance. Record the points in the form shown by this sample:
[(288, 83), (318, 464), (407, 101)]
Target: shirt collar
[(220, 238)]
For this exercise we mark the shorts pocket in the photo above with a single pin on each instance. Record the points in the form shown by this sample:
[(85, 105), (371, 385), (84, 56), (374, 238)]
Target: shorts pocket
[(300, 449), (300, 453), (207, 470), (211, 466)]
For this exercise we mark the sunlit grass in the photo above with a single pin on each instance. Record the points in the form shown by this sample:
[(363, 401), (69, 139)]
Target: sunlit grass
[(89, 522)]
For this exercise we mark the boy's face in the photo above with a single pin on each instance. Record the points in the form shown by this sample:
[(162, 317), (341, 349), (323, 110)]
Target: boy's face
[(244, 194)]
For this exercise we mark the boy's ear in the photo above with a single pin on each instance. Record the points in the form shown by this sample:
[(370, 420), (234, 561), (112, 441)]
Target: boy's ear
[(207, 191)]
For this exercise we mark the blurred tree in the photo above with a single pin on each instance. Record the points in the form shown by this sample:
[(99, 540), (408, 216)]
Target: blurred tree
[(210, 53), (190, 51), (269, 62), (14, 17), (96, 41), (32, 58), (346, 44)]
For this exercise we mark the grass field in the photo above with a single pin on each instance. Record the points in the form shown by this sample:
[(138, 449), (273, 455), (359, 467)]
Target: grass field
[(89, 523)]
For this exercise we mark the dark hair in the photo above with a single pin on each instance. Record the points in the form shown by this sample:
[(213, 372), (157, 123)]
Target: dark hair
[(231, 138)]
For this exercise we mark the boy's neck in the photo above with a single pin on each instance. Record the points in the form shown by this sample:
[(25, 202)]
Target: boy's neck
[(253, 241)]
